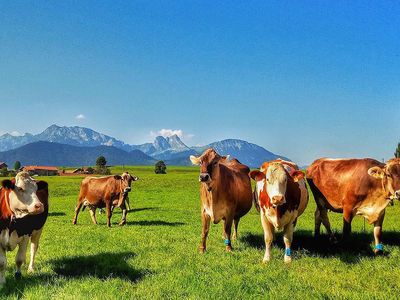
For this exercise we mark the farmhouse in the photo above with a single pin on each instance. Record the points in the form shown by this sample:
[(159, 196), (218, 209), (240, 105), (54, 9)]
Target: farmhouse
[(3, 165), (41, 170)]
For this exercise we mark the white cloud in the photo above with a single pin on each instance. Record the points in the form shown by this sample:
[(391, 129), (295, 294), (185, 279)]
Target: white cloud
[(170, 132), (80, 117)]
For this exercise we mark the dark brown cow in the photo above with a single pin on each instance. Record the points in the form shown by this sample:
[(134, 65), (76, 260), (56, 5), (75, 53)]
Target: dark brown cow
[(354, 187), (23, 213), (225, 193), (282, 196), (109, 191)]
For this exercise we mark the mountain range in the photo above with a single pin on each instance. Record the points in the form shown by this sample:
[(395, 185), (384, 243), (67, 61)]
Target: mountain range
[(77, 146)]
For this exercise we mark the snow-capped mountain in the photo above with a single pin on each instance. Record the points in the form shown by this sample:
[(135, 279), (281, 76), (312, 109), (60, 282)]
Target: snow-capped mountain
[(170, 149)]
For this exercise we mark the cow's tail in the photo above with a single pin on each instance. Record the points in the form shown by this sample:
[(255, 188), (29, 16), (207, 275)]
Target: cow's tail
[(255, 199)]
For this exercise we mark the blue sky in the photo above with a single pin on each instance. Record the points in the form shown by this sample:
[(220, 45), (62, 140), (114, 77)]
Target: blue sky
[(302, 78)]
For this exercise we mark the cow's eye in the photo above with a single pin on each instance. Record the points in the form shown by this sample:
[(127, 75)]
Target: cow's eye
[(20, 189)]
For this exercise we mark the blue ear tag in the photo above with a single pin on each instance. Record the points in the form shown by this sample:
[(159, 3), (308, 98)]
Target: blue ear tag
[(227, 242), (379, 247), (288, 251)]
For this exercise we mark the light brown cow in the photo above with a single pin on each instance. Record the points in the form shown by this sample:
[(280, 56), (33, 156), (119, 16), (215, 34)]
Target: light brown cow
[(109, 191), (225, 193), (354, 187), (282, 196)]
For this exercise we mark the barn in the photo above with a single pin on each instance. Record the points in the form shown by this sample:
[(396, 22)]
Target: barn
[(42, 170)]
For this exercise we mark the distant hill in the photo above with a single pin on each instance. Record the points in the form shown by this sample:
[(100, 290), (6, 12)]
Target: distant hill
[(56, 154), (170, 149)]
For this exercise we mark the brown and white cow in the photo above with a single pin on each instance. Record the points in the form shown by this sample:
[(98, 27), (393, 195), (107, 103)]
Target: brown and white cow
[(354, 187), (225, 193), (108, 191), (23, 212), (282, 197)]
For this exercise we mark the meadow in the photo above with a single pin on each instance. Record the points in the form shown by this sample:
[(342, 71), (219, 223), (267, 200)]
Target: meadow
[(155, 255)]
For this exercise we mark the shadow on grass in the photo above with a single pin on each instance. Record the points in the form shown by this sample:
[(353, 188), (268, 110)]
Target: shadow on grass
[(133, 210), (350, 251), (103, 266), (155, 223), (57, 214)]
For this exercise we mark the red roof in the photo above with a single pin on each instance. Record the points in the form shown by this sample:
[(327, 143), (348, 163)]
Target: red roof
[(33, 168)]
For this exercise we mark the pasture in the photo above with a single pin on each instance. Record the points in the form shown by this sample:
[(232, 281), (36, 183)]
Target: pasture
[(155, 255)]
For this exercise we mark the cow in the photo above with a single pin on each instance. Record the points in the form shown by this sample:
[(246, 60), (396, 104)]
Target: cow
[(108, 191), (354, 187), (23, 213), (225, 192), (282, 197)]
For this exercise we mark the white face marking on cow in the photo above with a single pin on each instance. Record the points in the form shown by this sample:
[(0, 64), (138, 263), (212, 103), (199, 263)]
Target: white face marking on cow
[(276, 184), (23, 199)]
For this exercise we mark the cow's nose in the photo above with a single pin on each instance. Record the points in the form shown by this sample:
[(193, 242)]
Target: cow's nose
[(277, 198), (204, 177), (127, 189), (38, 206), (397, 194)]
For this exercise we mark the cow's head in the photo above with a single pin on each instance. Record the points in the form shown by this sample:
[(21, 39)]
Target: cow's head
[(272, 180), (23, 198), (207, 162), (390, 176), (125, 180)]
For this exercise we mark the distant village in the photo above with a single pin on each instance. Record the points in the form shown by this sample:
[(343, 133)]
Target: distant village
[(44, 170)]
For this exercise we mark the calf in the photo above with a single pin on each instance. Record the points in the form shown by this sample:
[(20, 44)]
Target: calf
[(282, 197), (23, 213), (109, 191)]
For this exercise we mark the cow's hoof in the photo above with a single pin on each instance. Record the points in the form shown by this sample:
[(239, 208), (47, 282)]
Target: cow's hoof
[(287, 259), (378, 252), (31, 270), (228, 248), (333, 240), (122, 223), (202, 249), (266, 260), (74, 222), (18, 275)]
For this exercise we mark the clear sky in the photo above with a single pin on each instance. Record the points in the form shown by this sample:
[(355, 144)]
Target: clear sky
[(304, 79)]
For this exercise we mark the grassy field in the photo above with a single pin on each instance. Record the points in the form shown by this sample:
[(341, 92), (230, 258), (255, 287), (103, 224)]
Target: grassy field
[(155, 255)]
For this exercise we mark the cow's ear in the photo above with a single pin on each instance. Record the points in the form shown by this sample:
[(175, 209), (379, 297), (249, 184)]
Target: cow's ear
[(118, 177), (376, 172), (297, 175), (42, 185), (257, 175), (195, 160), (8, 184)]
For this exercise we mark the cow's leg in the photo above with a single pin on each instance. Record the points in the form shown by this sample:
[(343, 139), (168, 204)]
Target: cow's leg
[(127, 204), (205, 220), (347, 218), (378, 234), (3, 267), (318, 221), (109, 213), (77, 209), (92, 211), (287, 239), (327, 224), (34, 248), (235, 225), (268, 236), (227, 233), (20, 258), (124, 213)]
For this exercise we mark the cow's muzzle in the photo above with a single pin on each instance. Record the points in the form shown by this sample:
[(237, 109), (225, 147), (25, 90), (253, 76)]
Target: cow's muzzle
[(36, 209), (127, 190), (278, 200), (397, 195), (204, 177)]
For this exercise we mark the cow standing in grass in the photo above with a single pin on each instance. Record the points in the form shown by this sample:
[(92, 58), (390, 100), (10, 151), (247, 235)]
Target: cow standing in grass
[(354, 187), (109, 191), (282, 196), (225, 193), (23, 212)]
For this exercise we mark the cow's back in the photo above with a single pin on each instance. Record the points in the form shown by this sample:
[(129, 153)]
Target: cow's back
[(95, 188)]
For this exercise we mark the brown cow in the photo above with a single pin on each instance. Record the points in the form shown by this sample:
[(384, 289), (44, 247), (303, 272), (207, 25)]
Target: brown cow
[(225, 193), (354, 187), (282, 196), (23, 213), (109, 191)]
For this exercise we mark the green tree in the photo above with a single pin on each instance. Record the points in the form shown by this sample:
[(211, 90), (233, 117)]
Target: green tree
[(17, 165), (101, 161), (4, 172), (397, 152), (160, 167)]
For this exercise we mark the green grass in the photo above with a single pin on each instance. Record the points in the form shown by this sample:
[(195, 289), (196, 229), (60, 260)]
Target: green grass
[(155, 255)]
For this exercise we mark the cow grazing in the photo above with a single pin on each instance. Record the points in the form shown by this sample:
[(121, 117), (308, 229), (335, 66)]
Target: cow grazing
[(354, 187), (109, 191), (282, 196), (23, 212), (225, 193)]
